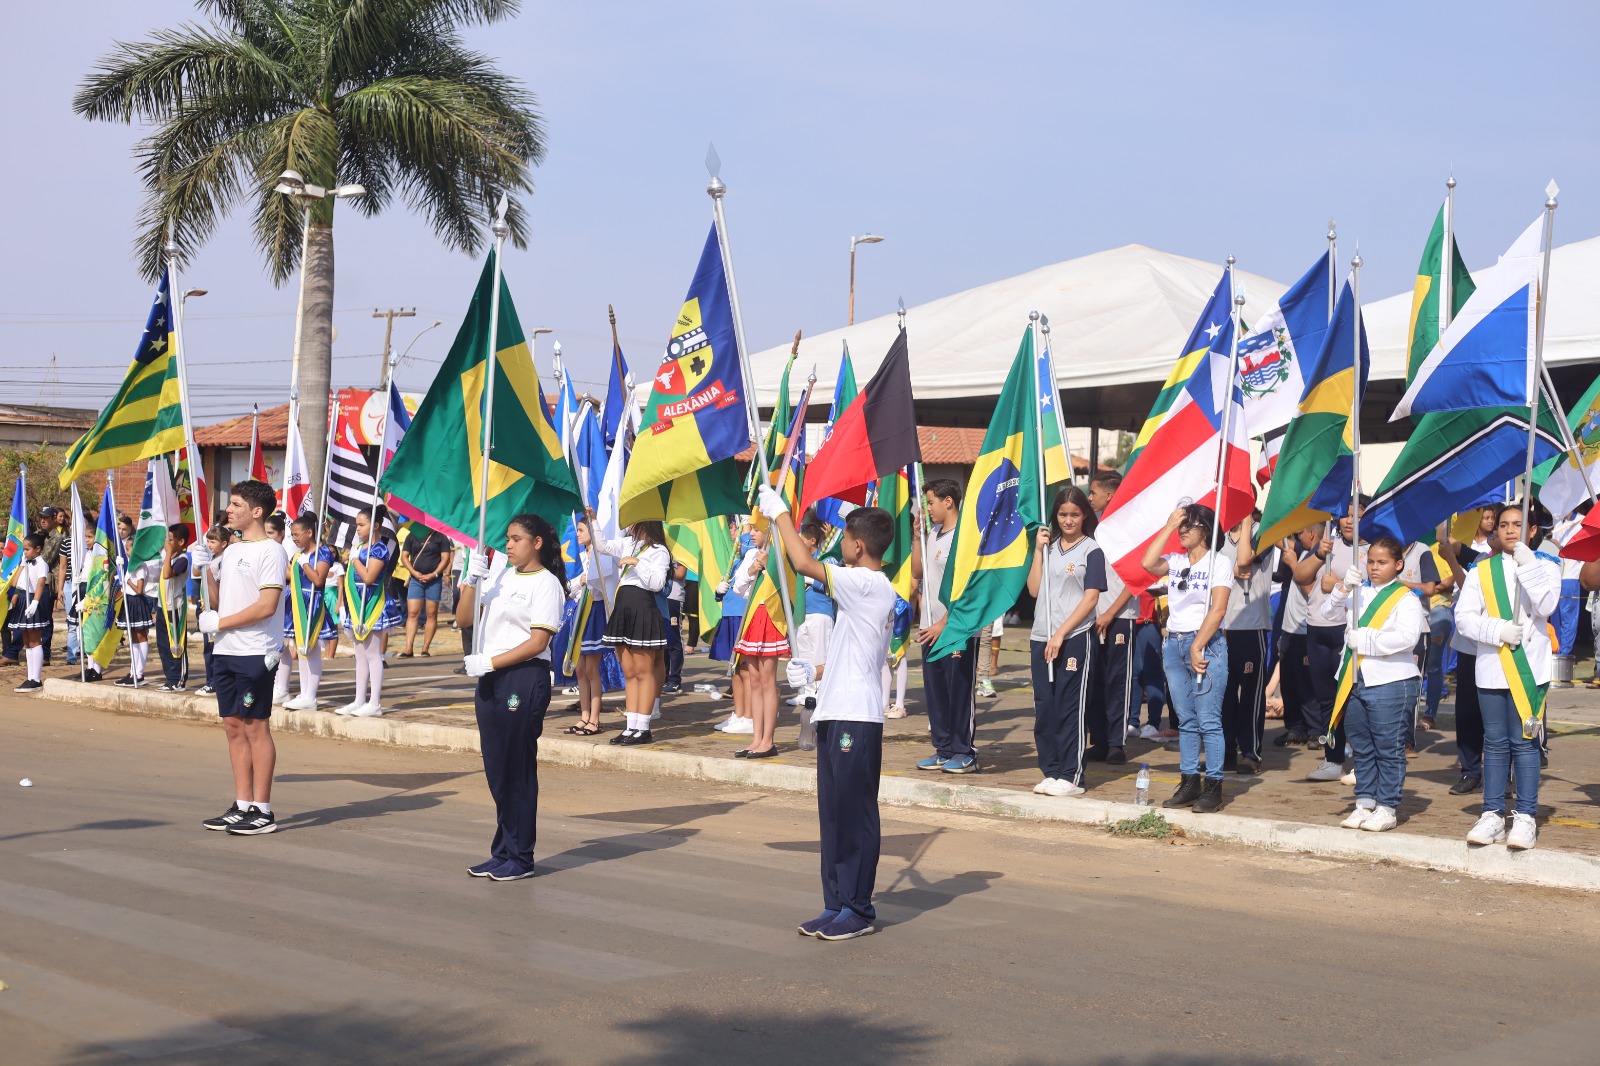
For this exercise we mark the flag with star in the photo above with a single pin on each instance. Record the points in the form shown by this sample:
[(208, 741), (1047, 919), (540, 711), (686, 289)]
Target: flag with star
[(145, 417), (435, 476), (683, 467), (1052, 431)]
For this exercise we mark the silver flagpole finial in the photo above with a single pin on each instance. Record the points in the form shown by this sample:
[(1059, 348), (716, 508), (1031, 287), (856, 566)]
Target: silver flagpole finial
[(1033, 316), (1552, 191), (1238, 301), (1333, 230), (1450, 182), (1044, 326), (714, 188), (499, 227), (811, 378), (1355, 264), (1232, 260)]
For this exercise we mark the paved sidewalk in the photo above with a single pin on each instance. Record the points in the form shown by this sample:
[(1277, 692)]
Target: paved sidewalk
[(425, 691)]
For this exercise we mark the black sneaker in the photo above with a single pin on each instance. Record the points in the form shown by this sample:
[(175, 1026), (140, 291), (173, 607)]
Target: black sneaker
[(230, 817), (29, 686), (1468, 784), (254, 823), (172, 688), (125, 682), (671, 688), (206, 690)]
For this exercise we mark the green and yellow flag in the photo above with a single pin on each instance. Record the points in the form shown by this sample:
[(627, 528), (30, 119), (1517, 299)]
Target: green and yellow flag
[(435, 476), (102, 601), (894, 496), (145, 417), (705, 548)]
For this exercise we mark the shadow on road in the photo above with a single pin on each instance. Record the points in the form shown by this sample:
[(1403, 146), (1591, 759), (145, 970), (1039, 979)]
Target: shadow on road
[(690, 812), (693, 1038), (373, 808), (394, 782), (609, 848), (114, 823)]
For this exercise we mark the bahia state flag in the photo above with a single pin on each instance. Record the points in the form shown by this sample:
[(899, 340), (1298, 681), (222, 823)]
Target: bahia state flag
[(1312, 479), (1560, 482), (1485, 357), (696, 420), (145, 417), (1180, 457), (1272, 356), (993, 546), (436, 474)]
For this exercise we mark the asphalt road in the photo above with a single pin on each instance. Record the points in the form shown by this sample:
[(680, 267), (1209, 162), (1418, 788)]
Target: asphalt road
[(661, 929)]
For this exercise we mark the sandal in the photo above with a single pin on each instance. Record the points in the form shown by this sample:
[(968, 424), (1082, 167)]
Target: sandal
[(426, 654), (405, 655), (584, 729)]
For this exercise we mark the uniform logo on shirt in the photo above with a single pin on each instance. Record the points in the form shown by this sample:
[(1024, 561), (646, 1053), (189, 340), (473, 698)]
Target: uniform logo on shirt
[(513, 702), (1072, 664), (1072, 568), (249, 700), (846, 741), (1249, 668)]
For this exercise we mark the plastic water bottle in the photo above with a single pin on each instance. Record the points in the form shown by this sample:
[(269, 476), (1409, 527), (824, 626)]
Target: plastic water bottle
[(1141, 786)]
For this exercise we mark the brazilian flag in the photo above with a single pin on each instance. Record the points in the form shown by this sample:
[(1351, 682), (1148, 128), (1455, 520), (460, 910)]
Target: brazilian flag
[(1000, 513), (436, 475)]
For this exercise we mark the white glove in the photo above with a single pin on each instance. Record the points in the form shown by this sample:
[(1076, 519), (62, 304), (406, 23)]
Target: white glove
[(272, 658), (772, 502), (208, 623), (33, 608), (800, 673), (1352, 640), (1523, 555), (1510, 634), (1353, 577), (477, 570), (478, 665), (723, 587)]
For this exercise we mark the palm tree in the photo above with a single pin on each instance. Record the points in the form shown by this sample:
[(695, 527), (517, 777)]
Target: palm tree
[(382, 93)]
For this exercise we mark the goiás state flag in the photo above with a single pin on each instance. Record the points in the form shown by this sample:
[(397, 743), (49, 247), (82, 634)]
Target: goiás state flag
[(993, 546), (1179, 460), (873, 437), (683, 467)]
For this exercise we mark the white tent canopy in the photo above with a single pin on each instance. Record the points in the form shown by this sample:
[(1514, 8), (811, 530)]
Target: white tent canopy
[(1117, 319)]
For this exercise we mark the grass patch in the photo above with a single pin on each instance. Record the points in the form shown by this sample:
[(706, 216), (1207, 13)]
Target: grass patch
[(1149, 825)]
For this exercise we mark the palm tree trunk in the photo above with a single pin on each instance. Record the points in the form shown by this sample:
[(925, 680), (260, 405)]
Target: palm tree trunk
[(316, 351)]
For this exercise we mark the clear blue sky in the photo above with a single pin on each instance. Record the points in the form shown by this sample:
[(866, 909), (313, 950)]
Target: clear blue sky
[(982, 140)]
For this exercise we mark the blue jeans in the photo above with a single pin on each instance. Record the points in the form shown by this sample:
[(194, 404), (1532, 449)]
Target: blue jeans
[(1440, 623), (1151, 675), (1377, 721), (1199, 712), (1504, 749)]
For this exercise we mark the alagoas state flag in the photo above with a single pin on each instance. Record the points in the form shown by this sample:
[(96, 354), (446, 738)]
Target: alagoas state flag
[(695, 422)]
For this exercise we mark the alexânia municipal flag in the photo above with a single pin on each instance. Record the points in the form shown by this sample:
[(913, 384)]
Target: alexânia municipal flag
[(683, 466), (993, 545), (435, 476), (145, 417)]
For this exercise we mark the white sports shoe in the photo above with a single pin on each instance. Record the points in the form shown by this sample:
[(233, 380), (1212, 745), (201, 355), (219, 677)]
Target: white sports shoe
[(280, 698), (1039, 789), (797, 701), (741, 725), (1327, 771), (1358, 818), (1524, 832), (1349, 777), (368, 710), (722, 726), (300, 703), (1148, 732), (1057, 786), (349, 708), (1489, 829), (1382, 821)]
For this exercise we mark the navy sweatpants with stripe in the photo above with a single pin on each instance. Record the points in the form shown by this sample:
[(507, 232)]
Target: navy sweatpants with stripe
[(849, 759), (1059, 704), (511, 704)]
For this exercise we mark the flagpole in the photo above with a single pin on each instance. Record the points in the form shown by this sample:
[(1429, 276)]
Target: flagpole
[(500, 230), (1355, 440), (255, 434), (78, 531), (202, 508), (374, 534), (324, 529), (294, 427), (122, 576), (716, 190), (1061, 419), (1447, 278), (1568, 440), (1044, 504), (1536, 372), (1227, 410), (1333, 267)]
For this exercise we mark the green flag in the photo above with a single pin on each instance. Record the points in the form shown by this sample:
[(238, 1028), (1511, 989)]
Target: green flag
[(705, 548), (1000, 513), (1424, 334), (157, 511), (435, 476)]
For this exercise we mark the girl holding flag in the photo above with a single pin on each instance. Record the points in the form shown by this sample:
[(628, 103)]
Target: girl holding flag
[(369, 611), (636, 628), (1378, 679), (589, 635), (306, 621), (1505, 605), (759, 648)]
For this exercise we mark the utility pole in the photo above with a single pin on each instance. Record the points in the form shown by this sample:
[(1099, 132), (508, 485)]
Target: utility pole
[(388, 333)]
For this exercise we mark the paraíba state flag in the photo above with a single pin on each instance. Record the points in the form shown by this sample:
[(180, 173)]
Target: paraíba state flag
[(993, 545), (145, 417), (435, 476), (696, 421), (872, 438), (1484, 358)]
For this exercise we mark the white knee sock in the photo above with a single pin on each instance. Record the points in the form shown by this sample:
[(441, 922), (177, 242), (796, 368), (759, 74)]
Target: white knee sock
[(311, 671), (280, 679), (35, 658), (137, 654), (361, 676), (373, 647), (900, 683)]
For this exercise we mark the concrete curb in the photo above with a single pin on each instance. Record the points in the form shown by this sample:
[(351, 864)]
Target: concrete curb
[(1554, 869)]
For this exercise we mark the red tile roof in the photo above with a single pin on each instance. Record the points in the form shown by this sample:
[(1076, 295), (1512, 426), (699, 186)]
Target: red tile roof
[(961, 446), (235, 432)]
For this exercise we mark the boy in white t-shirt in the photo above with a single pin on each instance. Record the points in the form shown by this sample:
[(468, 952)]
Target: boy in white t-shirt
[(247, 588), (849, 713)]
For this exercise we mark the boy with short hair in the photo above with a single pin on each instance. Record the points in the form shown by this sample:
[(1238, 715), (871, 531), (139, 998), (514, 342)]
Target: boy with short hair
[(947, 683), (849, 714), (173, 615), (247, 588)]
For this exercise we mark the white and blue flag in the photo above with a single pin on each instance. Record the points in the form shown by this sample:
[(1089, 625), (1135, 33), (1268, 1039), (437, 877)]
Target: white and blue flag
[(1485, 357), (1272, 355)]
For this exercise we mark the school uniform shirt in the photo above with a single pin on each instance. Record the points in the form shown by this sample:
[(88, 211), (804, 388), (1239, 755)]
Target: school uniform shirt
[(249, 567), (1536, 588), (1189, 589), (1388, 654), (1114, 587), (1295, 602), (178, 583), (1340, 558), (31, 572), (745, 575), (148, 572), (199, 557), (1069, 573), (939, 544), (1250, 602), (650, 572), (515, 604), (852, 685), (1418, 567)]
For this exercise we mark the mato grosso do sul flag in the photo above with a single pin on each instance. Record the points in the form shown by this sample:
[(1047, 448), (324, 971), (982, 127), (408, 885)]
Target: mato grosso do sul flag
[(993, 546), (696, 421), (145, 417), (435, 476)]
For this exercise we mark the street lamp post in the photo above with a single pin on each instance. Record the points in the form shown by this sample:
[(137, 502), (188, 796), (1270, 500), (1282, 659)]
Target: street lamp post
[(870, 238)]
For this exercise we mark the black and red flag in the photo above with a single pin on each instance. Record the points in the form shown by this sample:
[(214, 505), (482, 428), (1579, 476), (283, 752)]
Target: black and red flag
[(874, 437)]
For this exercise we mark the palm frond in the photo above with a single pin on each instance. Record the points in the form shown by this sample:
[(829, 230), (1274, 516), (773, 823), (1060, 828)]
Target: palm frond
[(192, 196), (152, 79)]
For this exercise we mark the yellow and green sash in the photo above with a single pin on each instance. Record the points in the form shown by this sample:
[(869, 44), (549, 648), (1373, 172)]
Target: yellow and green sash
[(176, 620), (307, 608), (363, 601), (1525, 692), (580, 622), (1374, 617)]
